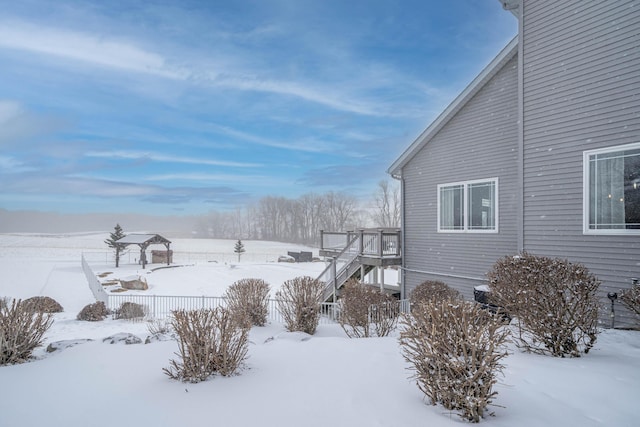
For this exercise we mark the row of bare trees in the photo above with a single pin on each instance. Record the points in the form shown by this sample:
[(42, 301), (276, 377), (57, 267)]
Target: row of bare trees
[(300, 220)]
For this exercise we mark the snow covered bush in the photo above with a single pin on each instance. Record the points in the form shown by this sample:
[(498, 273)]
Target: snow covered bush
[(364, 311), (21, 331), (249, 300), (456, 350), (432, 290), (93, 312), (210, 341), (299, 303), (129, 311), (42, 305), (630, 298), (553, 301)]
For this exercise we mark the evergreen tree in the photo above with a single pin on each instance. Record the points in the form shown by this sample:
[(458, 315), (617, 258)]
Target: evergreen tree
[(116, 235), (239, 249)]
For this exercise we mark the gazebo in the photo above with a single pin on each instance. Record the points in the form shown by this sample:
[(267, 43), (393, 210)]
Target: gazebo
[(143, 241)]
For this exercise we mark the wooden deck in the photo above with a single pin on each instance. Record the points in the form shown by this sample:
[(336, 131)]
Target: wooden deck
[(379, 247), (354, 254)]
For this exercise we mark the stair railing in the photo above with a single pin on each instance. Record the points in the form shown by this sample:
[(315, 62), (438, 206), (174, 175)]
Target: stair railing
[(334, 274)]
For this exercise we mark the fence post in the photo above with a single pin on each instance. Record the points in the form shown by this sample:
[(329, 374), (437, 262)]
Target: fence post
[(380, 243), (153, 304), (361, 243), (334, 274)]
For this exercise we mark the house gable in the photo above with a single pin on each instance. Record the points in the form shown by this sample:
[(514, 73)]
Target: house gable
[(508, 53)]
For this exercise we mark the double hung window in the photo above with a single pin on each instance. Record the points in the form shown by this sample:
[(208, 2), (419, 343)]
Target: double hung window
[(469, 206), (612, 190)]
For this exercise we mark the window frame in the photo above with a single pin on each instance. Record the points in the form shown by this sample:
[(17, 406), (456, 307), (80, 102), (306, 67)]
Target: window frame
[(465, 202), (586, 194)]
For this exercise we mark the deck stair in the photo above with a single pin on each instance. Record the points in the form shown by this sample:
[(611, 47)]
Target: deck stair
[(354, 254)]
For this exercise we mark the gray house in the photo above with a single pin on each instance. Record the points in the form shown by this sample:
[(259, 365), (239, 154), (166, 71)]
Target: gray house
[(541, 153)]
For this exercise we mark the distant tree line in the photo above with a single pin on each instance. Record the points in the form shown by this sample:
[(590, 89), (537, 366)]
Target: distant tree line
[(300, 220)]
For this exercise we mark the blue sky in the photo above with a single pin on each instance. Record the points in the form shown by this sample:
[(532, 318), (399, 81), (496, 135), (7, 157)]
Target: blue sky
[(182, 107)]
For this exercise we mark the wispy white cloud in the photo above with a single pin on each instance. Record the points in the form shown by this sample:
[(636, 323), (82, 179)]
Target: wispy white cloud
[(166, 158), (299, 145), (8, 164), (85, 47), (17, 124), (128, 56), (235, 179)]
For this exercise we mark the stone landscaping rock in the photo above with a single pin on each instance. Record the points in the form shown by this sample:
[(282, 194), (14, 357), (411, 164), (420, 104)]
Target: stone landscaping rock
[(135, 284), (61, 345), (122, 338)]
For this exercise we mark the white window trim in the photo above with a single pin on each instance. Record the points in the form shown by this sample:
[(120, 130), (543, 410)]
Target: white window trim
[(586, 195), (465, 203)]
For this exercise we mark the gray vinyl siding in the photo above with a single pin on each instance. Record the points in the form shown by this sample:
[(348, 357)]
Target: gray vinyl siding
[(581, 91), (479, 142)]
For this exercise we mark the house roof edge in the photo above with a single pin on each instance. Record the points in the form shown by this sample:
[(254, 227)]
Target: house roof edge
[(489, 71)]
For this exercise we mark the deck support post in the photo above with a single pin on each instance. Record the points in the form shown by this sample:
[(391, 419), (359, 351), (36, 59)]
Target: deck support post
[(334, 278), (381, 278)]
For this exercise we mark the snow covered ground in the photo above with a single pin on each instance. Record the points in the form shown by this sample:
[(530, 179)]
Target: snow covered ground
[(290, 380)]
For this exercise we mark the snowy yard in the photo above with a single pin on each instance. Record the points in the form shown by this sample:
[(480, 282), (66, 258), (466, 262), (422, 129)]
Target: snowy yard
[(290, 379)]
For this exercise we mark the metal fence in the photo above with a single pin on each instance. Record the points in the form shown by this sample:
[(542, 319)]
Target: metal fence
[(161, 306)]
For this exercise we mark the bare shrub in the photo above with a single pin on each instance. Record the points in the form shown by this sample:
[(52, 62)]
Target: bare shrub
[(299, 303), (554, 303), (158, 327), (248, 299), (432, 290), (630, 298), (455, 349), (129, 311), (365, 311), (21, 331), (42, 305), (93, 312), (210, 341), (4, 301)]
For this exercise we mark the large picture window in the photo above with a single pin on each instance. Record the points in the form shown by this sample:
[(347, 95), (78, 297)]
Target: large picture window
[(612, 190), (468, 206)]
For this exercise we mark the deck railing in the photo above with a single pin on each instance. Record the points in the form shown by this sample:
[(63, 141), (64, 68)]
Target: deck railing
[(379, 243)]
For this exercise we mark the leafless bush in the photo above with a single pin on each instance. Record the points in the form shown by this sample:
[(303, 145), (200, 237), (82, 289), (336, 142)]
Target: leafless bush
[(93, 312), (554, 303), (129, 310), (4, 301), (210, 341), (432, 290), (299, 303), (42, 305), (455, 349), (248, 299), (158, 327), (630, 298), (365, 312), (21, 331)]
